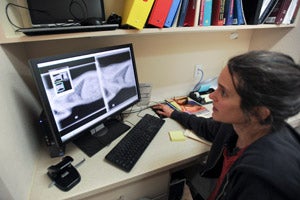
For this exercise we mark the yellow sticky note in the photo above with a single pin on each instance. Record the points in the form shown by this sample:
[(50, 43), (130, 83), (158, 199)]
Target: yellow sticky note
[(176, 136)]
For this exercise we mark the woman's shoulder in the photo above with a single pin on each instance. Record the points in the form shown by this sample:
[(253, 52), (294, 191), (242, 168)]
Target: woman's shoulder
[(274, 160), (274, 155)]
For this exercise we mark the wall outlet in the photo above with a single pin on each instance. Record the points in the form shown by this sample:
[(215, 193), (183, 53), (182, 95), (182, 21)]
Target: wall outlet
[(198, 72)]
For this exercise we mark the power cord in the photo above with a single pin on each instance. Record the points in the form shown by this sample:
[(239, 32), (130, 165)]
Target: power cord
[(18, 6), (73, 2), (83, 8), (198, 85)]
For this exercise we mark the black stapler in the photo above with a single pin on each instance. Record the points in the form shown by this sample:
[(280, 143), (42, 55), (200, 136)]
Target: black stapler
[(64, 175)]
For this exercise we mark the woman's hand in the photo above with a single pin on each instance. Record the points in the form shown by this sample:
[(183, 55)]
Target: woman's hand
[(163, 109)]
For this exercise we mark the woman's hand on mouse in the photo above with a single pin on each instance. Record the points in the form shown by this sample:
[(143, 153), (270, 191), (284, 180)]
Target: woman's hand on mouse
[(163, 109)]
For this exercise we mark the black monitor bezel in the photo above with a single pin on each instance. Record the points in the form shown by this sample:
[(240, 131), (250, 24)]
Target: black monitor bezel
[(38, 8), (44, 99)]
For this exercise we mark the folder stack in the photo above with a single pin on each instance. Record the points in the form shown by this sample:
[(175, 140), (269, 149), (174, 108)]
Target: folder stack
[(141, 14)]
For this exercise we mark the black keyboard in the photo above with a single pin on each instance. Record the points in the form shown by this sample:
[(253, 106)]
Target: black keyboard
[(66, 29), (127, 152)]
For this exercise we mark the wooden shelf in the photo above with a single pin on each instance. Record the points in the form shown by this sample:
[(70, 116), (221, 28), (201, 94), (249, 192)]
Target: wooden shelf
[(20, 37)]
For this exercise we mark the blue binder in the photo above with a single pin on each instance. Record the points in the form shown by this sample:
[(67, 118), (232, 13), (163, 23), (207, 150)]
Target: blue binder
[(207, 12), (238, 13), (172, 13), (182, 13), (228, 14)]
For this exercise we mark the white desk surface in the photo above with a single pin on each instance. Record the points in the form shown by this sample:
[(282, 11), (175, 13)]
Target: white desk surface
[(98, 176)]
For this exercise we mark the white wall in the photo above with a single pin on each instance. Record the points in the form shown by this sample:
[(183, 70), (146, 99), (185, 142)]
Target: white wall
[(19, 143), (163, 59), (287, 41)]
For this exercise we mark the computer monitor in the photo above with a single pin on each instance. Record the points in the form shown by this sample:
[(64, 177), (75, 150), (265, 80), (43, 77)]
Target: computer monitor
[(62, 12), (82, 91)]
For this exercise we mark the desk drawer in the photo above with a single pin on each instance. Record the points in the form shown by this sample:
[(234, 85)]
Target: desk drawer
[(151, 187)]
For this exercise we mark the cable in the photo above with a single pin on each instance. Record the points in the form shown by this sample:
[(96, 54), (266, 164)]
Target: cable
[(83, 8), (198, 85), (6, 12), (136, 111), (19, 6), (45, 12), (132, 124)]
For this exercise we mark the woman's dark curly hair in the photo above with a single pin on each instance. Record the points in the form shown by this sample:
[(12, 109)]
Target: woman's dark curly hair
[(270, 79)]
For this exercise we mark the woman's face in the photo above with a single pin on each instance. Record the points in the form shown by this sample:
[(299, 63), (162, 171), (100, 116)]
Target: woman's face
[(226, 101)]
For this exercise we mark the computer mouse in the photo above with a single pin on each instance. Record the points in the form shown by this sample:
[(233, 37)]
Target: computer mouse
[(91, 21), (159, 115)]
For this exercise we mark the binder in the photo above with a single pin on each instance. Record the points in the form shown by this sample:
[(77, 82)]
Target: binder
[(201, 13), (289, 13), (197, 12), (172, 13), (282, 10), (252, 10), (182, 13), (238, 13), (218, 12), (228, 13), (159, 13), (175, 22), (278, 13), (136, 12), (189, 19), (207, 12), (294, 16), (266, 10)]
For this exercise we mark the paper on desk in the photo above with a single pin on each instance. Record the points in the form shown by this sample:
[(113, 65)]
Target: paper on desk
[(190, 134), (176, 136)]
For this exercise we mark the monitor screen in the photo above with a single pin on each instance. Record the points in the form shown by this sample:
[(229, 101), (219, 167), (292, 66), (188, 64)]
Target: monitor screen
[(54, 12), (80, 90)]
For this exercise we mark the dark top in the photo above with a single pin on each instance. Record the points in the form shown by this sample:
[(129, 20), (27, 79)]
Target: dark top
[(269, 168)]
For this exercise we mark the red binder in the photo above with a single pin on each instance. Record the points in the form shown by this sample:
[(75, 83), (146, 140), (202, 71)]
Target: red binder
[(159, 13), (190, 14), (218, 12), (284, 6)]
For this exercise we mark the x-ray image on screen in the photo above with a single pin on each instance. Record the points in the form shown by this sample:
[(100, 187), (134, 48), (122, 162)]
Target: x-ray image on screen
[(120, 84), (74, 93)]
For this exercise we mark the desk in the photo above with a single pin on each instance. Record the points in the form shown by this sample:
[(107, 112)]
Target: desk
[(101, 180)]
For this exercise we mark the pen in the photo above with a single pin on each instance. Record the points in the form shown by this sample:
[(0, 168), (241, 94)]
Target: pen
[(171, 105), (80, 163)]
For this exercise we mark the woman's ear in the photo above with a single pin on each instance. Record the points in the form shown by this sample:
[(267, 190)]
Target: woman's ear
[(263, 112)]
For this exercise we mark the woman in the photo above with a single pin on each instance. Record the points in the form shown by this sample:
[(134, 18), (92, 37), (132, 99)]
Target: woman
[(255, 153)]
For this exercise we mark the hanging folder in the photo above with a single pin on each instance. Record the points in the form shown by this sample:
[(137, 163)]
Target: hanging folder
[(136, 12)]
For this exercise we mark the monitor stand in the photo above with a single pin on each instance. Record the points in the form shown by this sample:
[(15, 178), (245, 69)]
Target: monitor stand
[(101, 136)]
